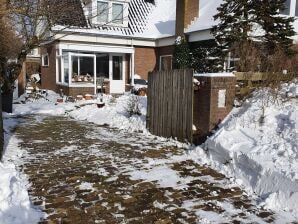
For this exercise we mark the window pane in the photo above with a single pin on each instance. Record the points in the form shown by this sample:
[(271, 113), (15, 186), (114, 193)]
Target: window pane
[(117, 67), (45, 60), (286, 11), (102, 12), (86, 72), (296, 11), (117, 13)]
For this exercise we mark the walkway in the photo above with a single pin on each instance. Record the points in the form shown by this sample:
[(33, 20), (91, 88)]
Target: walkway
[(84, 173)]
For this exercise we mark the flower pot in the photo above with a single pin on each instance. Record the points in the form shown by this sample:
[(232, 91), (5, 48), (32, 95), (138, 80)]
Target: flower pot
[(59, 100), (79, 97), (88, 97), (100, 105)]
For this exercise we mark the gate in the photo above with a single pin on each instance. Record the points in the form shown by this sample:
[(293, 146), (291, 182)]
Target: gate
[(170, 104)]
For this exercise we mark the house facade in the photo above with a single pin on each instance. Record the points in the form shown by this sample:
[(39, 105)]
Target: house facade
[(114, 40)]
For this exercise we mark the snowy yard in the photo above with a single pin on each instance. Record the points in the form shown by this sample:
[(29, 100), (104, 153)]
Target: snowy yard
[(258, 156)]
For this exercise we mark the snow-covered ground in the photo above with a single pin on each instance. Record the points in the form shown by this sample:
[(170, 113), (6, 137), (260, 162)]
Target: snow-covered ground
[(15, 206), (115, 112), (261, 152)]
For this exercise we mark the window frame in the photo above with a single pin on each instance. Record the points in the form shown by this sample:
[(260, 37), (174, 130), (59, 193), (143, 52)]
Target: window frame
[(43, 64), (107, 16), (124, 4), (160, 61), (287, 10), (122, 19)]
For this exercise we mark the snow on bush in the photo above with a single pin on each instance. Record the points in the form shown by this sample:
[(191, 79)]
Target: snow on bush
[(257, 145)]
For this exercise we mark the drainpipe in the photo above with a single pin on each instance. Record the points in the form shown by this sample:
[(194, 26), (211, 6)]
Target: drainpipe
[(132, 64), (132, 69)]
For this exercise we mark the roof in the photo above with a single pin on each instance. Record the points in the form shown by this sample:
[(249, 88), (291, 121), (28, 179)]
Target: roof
[(146, 19), (67, 12)]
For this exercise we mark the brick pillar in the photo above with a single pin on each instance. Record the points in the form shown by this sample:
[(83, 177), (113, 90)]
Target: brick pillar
[(213, 101)]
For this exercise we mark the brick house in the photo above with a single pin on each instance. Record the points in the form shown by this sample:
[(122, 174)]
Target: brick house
[(117, 39), (140, 38)]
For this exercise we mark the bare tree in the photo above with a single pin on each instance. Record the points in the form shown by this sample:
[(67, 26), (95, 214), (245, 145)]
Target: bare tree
[(25, 24)]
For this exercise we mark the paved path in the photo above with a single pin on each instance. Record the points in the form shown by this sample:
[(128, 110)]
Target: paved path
[(84, 173)]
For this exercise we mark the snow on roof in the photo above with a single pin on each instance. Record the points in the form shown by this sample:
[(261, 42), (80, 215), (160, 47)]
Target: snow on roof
[(161, 22), (206, 12)]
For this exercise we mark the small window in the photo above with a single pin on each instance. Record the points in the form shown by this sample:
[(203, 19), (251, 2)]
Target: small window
[(117, 13), (286, 10), (102, 12), (165, 63), (45, 60)]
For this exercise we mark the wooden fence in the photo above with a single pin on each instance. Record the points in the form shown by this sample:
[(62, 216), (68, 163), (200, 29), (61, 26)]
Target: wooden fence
[(170, 104)]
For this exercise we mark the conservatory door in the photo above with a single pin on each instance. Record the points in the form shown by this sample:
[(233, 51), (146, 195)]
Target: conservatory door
[(117, 83)]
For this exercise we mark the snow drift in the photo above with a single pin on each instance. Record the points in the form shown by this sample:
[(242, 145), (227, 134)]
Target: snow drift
[(257, 145)]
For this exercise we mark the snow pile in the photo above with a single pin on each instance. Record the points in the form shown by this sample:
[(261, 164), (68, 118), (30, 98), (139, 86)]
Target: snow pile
[(257, 145), (115, 112), (15, 206)]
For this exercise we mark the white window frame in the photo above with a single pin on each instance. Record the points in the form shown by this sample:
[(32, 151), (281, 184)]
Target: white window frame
[(76, 84), (292, 9), (43, 64), (110, 7), (164, 56), (112, 20), (229, 59)]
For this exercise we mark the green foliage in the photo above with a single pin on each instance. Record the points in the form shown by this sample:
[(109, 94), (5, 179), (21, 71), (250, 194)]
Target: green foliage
[(206, 59), (235, 23), (182, 54), (242, 21), (277, 29)]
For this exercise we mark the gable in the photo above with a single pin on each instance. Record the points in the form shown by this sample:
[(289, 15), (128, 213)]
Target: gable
[(143, 17)]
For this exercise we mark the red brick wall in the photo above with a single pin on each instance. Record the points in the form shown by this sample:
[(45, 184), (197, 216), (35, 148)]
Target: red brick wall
[(74, 91), (145, 61), (207, 115), (48, 74), (218, 114)]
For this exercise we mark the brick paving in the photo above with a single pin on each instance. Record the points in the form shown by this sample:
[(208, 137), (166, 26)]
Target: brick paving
[(80, 173)]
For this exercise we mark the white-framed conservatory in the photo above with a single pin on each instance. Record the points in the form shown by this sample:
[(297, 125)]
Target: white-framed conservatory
[(81, 65)]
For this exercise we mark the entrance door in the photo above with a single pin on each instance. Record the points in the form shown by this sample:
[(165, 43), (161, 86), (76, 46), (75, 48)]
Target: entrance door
[(117, 83)]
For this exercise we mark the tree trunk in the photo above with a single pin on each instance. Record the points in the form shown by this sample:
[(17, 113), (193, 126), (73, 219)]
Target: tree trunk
[(1, 130), (7, 100)]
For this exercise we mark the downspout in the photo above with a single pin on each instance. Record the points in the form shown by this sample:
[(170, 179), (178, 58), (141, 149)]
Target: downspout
[(132, 64)]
